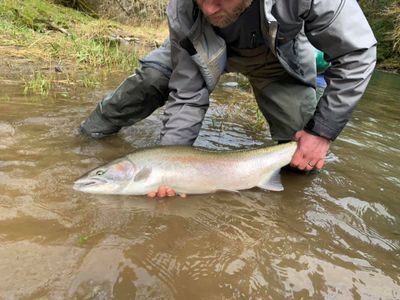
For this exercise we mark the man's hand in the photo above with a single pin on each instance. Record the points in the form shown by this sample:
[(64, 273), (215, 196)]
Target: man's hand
[(164, 191), (311, 151)]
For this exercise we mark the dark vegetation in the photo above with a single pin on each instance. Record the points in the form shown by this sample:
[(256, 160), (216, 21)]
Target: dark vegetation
[(384, 17)]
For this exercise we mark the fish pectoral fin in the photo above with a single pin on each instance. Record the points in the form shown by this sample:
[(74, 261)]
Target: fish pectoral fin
[(272, 182), (142, 174)]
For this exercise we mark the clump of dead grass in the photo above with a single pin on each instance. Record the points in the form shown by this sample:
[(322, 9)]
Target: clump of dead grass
[(394, 12)]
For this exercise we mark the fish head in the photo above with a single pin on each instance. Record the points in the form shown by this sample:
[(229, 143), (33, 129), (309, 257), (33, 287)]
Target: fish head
[(111, 178)]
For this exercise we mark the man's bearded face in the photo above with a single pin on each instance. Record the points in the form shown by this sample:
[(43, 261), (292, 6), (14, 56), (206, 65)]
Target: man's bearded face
[(222, 13)]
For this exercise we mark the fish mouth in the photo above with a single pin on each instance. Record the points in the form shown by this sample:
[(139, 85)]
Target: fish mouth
[(85, 183)]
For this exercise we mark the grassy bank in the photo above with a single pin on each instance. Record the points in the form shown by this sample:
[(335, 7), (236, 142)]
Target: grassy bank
[(39, 38)]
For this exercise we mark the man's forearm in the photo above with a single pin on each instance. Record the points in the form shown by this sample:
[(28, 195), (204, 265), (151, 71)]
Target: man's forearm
[(347, 80), (187, 102), (182, 121)]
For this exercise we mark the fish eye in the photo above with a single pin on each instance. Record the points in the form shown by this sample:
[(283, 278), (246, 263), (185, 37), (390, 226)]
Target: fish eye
[(100, 172)]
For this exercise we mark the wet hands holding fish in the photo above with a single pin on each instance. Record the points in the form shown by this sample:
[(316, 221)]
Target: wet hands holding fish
[(311, 151)]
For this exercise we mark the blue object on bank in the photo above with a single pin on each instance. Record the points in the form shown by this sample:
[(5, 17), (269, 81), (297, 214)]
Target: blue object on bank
[(321, 81)]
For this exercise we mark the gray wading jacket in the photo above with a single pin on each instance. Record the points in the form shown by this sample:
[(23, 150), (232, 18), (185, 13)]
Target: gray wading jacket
[(194, 57)]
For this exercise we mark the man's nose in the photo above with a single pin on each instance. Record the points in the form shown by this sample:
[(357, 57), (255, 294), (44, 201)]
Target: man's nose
[(210, 7)]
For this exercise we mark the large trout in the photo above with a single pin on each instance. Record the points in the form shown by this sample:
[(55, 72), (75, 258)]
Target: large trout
[(189, 170)]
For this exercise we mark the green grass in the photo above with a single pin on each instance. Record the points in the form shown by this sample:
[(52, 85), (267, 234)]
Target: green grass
[(40, 33), (87, 41), (83, 239), (96, 54), (89, 82), (16, 34), (39, 84), (37, 14)]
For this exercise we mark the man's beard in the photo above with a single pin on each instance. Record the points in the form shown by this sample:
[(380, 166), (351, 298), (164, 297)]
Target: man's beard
[(224, 20)]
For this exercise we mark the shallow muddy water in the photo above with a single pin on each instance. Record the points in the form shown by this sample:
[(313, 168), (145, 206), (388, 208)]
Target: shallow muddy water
[(335, 235)]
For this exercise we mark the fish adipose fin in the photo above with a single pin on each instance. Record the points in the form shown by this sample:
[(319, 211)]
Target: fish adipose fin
[(272, 183)]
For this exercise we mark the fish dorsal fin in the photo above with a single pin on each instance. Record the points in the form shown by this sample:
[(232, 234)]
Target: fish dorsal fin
[(272, 182)]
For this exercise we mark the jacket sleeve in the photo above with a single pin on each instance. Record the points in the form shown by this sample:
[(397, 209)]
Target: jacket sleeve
[(188, 99), (340, 29)]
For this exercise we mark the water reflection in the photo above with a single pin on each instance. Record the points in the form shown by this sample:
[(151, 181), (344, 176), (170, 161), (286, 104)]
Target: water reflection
[(331, 235)]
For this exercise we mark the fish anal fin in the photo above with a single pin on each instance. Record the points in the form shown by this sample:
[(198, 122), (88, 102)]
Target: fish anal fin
[(272, 182)]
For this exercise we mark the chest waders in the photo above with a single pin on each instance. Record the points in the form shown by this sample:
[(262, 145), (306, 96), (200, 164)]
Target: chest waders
[(286, 103), (135, 98)]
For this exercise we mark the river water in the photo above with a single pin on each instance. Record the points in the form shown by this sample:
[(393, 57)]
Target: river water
[(333, 235)]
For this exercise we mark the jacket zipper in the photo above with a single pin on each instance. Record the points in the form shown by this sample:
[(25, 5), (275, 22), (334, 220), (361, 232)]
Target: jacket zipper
[(253, 40)]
